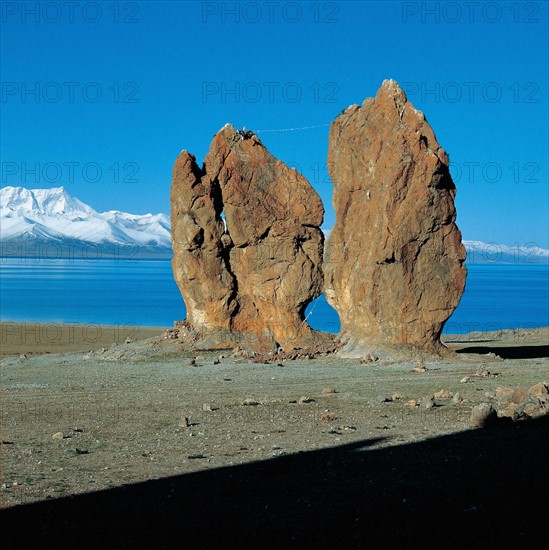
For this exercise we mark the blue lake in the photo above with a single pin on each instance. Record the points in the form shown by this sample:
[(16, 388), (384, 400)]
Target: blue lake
[(143, 292)]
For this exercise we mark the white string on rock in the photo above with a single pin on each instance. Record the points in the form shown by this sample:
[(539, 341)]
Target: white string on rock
[(292, 129)]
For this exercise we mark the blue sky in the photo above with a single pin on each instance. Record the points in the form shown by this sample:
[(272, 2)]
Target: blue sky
[(103, 100)]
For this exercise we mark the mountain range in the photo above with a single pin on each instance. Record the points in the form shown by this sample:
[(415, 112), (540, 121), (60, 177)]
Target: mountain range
[(52, 223)]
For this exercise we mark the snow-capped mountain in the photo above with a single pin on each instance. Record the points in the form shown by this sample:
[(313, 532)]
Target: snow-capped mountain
[(52, 222)]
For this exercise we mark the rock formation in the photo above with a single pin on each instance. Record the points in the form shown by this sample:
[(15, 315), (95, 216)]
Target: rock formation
[(394, 267), (247, 244)]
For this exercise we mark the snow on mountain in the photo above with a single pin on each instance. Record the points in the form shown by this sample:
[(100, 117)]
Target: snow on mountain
[(54, 216)]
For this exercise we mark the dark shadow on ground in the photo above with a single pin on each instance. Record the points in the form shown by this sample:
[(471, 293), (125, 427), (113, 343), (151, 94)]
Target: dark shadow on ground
[(479, 488), (511, 352)]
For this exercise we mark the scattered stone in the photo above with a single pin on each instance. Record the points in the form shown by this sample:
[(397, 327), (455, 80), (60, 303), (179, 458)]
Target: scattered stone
[(427, 402), (482, 415), (465, 380), (508, 412), (483, 373), (397, 397), (208, 407), (395, 233), (489, 394), (57, 436), (411, 403), (457, 399), (420, 369), (22, 356), (532, 406), (519, 395), (303, 400), (199, 358), (328, 391), (369, 358), (443, 394), (329, 416), (250, 403), (184, 422), (128, 341), (189, 362), (81, 451)]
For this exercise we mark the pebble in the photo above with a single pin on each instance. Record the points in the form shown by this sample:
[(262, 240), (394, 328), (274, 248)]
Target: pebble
[(482, 415), (419, 369), (208, 407), (382, 399), (250, 403), (396, 397), (328, 391), (443, 394), (189, 362), (22, 356), (411, 404), (329, 416), (489, 394), (427, 402), (184, 422), (199, 358), (457, 399), (304, 399), (57, 436), (465, 380)]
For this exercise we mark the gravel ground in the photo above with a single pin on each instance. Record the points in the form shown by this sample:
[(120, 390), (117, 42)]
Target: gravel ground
[(79, 422)]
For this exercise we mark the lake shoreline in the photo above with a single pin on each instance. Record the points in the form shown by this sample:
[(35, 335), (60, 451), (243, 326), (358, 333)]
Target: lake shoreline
[(34, 338), (28, 337)]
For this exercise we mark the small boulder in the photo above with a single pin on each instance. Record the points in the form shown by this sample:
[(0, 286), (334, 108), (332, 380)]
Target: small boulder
[(519, 395), (538, 389), (457, 399), (443, 394), (482, 415), (427, 402)]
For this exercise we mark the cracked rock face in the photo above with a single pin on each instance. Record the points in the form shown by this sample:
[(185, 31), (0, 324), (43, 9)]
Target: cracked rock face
[(247, 244), (394, 267)]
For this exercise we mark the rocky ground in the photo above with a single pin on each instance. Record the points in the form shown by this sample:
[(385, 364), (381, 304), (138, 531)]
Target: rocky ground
[(148, 410)]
